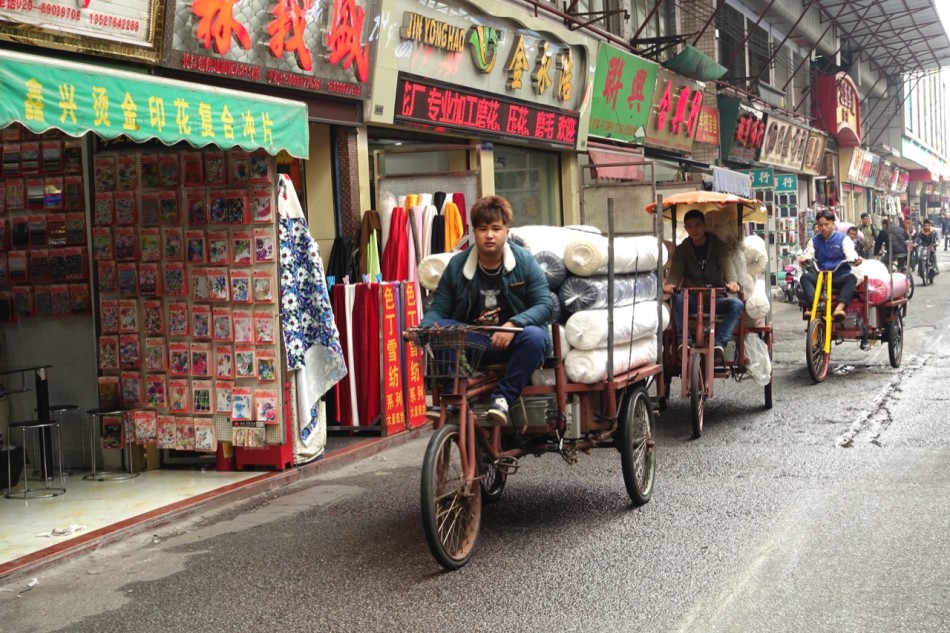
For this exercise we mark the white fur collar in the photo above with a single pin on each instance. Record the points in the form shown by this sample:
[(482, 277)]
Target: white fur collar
[(471, 264)]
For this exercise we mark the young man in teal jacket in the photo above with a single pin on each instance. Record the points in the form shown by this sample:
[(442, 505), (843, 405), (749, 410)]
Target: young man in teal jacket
[(497, 284)]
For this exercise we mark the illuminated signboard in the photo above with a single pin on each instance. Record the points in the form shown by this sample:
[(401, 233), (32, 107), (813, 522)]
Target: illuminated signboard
[(784, 144), (742, 130), (319, 47), (623, 90), (674, 114), (424, 102), (127, 26), (492, 53)]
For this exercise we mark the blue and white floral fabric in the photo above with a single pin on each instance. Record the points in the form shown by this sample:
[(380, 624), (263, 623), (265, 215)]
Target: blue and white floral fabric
[(310, 334)]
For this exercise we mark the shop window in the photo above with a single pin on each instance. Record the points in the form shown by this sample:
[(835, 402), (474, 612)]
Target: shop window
[(529, 180)]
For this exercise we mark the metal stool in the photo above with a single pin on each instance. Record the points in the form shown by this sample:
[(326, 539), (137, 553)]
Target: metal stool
[(34, 429), (61, 410), (96, 415)]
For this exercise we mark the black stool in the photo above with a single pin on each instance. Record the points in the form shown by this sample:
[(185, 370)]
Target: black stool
[(33, 429), (96, 415)]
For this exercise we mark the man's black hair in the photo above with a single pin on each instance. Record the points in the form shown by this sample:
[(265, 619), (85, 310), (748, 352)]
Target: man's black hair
[(692, 214)]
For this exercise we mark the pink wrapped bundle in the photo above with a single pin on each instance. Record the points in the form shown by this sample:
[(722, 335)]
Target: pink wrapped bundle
[(879, 282)]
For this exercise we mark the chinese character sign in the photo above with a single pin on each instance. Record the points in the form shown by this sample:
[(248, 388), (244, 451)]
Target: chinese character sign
[(761, 178), (322, 46), (78, 98), (784, 144), (123, 21), (422, 102), (708, 131), (623, 92), (415, 391), (741, 130), (674, 113), (474, 50), (394, 413)]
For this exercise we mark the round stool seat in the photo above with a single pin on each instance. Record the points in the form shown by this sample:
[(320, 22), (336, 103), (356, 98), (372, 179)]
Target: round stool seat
[(104, 411), (31, 424), (58, 408)]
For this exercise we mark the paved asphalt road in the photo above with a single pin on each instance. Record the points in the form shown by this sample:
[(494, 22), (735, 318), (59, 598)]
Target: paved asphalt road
[(830, 513)]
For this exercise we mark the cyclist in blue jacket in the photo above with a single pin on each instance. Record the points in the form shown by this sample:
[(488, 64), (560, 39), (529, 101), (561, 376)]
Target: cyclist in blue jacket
[(829, 248)]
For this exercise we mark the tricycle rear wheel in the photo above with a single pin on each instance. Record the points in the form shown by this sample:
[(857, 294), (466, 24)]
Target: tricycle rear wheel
[(451, 510), (637, 450), (697, 393), (815, 356), (895, 340)]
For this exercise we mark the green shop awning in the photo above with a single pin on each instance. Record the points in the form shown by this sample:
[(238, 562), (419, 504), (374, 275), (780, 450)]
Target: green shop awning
[(77, 98)]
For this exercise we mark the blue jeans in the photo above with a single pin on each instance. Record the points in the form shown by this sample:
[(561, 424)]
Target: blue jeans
[(729, 308), (521, 358)]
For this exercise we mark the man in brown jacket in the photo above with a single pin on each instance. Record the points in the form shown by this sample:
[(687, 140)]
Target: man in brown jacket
[(699, 261)]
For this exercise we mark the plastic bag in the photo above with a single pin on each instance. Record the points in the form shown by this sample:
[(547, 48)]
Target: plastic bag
[(760, 365)]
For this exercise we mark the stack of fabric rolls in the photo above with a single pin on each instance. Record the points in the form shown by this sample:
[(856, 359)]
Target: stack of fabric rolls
[(574, 260)]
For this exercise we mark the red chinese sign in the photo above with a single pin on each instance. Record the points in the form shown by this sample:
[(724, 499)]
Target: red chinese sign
[(300, 44), (415, 385), (394, 413), (423, 102), (838, 103), (708, 131), (674, 116)]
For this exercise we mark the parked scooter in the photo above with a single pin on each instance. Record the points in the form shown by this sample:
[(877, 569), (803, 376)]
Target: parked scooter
[(793, 274)]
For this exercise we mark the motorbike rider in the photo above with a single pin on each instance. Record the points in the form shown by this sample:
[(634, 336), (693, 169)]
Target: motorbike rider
[(893, 240), (927, 240)]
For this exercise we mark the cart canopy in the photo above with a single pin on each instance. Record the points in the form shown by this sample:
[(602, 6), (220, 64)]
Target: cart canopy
[(744, 209)]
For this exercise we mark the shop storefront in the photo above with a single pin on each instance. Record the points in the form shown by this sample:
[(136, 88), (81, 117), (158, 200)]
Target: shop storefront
[(503, 92), (148, 208)]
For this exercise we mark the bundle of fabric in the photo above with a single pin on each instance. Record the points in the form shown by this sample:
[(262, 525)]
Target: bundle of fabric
[(538, 237), (590, 293), (431, 269), (546, 375), (755, 260), (587, 255), (590, 366), (880, 281), (587, 330), (553, 267)]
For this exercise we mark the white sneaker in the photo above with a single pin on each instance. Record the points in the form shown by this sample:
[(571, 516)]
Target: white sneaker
[(498, 412)]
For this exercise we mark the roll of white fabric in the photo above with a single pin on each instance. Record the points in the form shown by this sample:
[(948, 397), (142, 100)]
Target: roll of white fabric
[(587, 330), (757, 305), (587, 255), (590, 366), (538, 237), (756, 255), (431, 269), (387, 202)]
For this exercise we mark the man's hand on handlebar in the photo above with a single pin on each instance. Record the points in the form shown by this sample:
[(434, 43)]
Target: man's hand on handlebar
[(501, 340)]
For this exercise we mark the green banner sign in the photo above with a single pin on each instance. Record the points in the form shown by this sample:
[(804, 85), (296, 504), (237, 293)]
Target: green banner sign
[(786, 183), (78, 98), (761, 178), (623, 92)]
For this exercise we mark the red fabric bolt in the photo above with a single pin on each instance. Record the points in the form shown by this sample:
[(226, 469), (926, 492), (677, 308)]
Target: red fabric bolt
[(366, 313)]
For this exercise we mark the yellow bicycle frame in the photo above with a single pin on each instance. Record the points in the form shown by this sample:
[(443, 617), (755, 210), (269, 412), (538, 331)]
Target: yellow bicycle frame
[(824, 279)]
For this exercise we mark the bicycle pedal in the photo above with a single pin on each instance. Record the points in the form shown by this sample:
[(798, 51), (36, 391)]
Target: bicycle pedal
[(507, 465)]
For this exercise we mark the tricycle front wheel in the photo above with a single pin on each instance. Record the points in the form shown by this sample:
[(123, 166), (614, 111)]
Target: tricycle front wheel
[(697, 393), (451, 509), (818, 361), (637, 445)]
